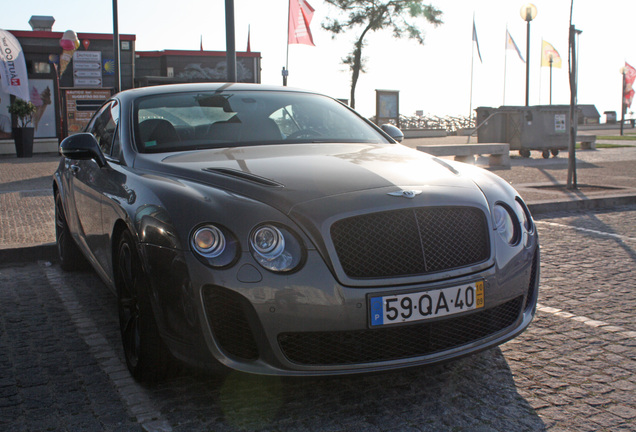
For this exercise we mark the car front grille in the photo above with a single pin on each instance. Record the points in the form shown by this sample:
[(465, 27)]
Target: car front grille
[(227, 314), (406, 341), (411, 241)]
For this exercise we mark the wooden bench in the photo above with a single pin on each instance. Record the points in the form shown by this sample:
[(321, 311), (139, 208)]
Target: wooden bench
[(499, 153), (588, 142)]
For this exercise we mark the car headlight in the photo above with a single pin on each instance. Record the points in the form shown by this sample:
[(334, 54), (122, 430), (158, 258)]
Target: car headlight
[(209, 241), (214, 245), (276, 249), (506, 223)]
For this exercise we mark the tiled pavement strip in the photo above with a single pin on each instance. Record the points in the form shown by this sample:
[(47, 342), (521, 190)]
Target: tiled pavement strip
[(572, 370)]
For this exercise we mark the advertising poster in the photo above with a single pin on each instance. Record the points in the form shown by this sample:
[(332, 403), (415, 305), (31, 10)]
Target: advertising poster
[(387, 106), (559, 123), (42, 94), (81, 104)]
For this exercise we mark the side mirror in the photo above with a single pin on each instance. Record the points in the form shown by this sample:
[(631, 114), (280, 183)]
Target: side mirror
[(393, 132), (82, 146)]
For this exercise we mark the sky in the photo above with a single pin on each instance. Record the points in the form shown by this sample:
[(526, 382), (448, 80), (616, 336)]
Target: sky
[(434, 78)]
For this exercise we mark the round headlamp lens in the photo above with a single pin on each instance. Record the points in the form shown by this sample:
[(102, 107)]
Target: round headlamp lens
[(276, 248), (209, 241), (268, 242)]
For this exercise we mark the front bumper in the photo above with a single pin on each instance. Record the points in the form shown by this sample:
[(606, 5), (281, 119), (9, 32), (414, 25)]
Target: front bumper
[(307, 323)]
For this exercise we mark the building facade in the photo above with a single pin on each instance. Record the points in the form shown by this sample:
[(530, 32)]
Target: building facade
[(68, 85)]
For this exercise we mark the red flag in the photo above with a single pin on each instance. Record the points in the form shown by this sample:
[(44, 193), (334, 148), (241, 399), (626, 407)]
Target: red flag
[(630, 76), (300, 14)]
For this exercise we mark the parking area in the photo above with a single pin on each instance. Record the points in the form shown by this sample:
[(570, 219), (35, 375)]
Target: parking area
[(574, 369)]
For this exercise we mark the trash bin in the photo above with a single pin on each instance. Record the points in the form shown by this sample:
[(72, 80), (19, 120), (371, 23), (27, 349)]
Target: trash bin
[(542, 127), (492, 128)]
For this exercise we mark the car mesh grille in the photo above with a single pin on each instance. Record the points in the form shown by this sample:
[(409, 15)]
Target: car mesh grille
[(227, 316), (411, 241), (406, 341)]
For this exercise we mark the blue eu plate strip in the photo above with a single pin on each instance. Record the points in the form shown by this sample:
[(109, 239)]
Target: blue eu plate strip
[(377, 315)]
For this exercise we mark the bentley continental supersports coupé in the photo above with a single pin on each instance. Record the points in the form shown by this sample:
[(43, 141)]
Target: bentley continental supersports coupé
[(276, 231)]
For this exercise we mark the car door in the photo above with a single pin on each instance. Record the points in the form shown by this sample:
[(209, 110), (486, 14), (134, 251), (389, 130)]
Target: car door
[(89, 181)]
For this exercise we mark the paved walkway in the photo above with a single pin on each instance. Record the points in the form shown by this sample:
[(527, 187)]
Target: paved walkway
[(572, 370), (606, 177)]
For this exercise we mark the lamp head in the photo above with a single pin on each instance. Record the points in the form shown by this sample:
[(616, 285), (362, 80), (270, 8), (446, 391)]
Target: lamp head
[(528, 12)]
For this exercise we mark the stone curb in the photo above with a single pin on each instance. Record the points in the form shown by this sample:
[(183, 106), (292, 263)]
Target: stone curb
[(47, 251), (550, 206)]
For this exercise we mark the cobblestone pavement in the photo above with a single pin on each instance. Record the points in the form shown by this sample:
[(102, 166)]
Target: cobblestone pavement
[(572, 370), (26, 200)]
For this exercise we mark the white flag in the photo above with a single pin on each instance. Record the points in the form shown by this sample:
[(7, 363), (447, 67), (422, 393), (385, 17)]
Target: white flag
[(13, 72)]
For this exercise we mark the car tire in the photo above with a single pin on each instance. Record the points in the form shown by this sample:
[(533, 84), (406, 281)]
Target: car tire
[(525, 153), (147, 356), (71, 257)]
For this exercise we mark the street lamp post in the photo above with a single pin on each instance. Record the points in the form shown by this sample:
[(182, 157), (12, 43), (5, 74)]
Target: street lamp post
[(622, 70), (528, 13), (230, 41)]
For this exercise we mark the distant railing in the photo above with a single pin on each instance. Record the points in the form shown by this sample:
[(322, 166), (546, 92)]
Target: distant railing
[(450, 124)]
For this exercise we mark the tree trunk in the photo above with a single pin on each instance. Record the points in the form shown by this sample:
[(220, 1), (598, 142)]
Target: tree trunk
[(356, 66), (355, 72)]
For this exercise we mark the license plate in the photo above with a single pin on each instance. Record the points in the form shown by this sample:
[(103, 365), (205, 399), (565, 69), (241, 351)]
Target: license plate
[(418, 306)]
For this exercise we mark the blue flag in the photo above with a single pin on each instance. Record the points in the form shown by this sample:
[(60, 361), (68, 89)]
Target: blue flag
[(475, 39)]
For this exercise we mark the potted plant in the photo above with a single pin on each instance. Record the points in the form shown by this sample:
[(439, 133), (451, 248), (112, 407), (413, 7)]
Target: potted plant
[(23, 134)]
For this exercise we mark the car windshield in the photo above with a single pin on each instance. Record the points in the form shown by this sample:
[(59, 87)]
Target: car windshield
[(199, 120)]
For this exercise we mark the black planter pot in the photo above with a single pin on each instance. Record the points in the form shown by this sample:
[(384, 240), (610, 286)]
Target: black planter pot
[(23, 138)]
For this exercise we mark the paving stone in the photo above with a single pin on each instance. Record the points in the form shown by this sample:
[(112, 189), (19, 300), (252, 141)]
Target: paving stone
[(561, 374)]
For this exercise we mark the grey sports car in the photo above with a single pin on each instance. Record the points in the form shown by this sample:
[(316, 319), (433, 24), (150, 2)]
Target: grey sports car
[(276, 231)]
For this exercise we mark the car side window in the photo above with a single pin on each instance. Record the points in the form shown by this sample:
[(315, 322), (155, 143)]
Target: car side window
[(104, 127)]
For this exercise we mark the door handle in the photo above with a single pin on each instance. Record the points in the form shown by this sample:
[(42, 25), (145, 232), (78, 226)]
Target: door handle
[(75, 169)]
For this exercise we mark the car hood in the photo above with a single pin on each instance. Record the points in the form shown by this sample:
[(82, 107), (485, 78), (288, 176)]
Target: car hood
[(285, 176)]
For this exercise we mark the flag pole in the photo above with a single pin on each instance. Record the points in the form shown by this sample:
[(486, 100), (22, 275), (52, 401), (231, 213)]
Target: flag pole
[(472, 63), (286, 68), (551, 79), (505, 65), (541, 71)]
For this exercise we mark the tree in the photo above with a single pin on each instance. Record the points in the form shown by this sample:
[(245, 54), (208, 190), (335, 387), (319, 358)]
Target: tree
[(373, 15)]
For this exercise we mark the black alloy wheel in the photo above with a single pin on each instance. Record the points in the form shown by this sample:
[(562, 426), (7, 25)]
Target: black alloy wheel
[(147, 357)]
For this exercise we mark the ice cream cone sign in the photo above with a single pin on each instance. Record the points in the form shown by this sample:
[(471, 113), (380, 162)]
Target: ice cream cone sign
[(69, 43)]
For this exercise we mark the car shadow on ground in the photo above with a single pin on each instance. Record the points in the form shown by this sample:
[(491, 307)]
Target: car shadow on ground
[(474, 393)]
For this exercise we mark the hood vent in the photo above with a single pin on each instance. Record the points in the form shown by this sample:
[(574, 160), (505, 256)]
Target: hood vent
[(242, 175)]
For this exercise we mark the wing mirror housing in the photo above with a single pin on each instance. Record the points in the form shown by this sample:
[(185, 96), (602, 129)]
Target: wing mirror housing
[(82, 146), (393, 132)]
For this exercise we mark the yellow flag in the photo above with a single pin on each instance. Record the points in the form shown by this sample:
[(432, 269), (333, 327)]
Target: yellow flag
[(549, 53)]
